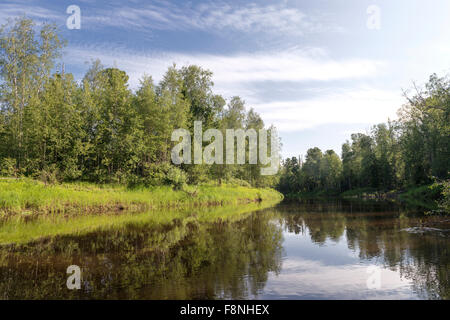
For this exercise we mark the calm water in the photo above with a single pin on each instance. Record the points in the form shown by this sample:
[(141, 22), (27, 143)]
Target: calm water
[(292, 251)]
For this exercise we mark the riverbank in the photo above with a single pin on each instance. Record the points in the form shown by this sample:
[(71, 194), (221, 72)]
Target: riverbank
[(428, 197), (27, 199)]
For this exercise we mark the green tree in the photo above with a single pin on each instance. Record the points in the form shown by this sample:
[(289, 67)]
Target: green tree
[(118, 132), (198, 92), (26, 60)]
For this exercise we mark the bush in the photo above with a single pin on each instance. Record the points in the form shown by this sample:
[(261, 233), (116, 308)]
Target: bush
[(71, 172), (238, 182), (163, 173), (119, 177), (197, 174), (176, 178), (445, 202), (8, 167), (154, 174), (49, 175)]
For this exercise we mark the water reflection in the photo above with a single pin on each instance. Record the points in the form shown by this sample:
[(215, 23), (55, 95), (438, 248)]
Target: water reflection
[(297, 251), (330, 245), (178, 260)]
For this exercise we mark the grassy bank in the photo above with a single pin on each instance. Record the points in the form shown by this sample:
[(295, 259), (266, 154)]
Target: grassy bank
[(29, 198)]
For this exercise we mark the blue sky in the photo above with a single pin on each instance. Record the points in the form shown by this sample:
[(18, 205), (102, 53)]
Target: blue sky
[(313, 68)]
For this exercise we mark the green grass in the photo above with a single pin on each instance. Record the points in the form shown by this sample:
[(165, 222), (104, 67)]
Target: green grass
[(29, 198), (31, 210)]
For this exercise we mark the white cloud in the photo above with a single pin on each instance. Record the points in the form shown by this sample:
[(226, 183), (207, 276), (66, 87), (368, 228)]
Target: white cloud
[(239, 74), (283, 66), (306, 278), (235, 70), (354, 105)]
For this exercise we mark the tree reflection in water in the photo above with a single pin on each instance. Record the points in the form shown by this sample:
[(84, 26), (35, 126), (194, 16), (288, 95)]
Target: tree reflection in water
[(180, 260), (223, 258), (377, 230)]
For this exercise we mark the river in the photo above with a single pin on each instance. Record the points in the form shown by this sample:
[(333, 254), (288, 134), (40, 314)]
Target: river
[(299, 250)]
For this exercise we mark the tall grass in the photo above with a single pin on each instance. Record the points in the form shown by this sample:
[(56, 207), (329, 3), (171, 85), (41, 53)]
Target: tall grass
[(26, 197)]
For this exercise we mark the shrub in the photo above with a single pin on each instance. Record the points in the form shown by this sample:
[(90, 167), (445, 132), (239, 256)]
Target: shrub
[(48, 175), (176, 178), (8, 167), (445, 202), (154, 174), (238, 182), (71, 172), (164, 173)]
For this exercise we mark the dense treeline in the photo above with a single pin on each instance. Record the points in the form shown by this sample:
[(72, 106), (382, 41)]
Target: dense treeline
[(412, 151), (55, 128)]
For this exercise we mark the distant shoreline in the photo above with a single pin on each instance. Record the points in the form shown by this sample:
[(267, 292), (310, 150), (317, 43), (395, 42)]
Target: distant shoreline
[(426, 196)]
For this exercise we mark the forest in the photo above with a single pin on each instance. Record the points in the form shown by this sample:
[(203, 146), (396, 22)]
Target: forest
[(410, 152), (54, 128)]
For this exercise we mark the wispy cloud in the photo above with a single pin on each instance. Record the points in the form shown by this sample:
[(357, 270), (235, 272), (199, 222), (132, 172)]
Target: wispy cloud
[(12, 10), (211, 17), (294, 65), (238, 74)]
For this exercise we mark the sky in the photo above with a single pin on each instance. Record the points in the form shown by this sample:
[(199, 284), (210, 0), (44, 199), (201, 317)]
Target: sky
[(318, 70)]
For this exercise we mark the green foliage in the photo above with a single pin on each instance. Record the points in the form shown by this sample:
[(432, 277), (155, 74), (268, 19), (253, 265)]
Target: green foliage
[(8, 167), (237, 182), (55, 129), (176, 177), (320, 171), (48, 175), (403, 154), (444, 204)]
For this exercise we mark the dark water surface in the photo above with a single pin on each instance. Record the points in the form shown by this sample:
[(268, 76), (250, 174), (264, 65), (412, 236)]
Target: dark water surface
[(322, 250)]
